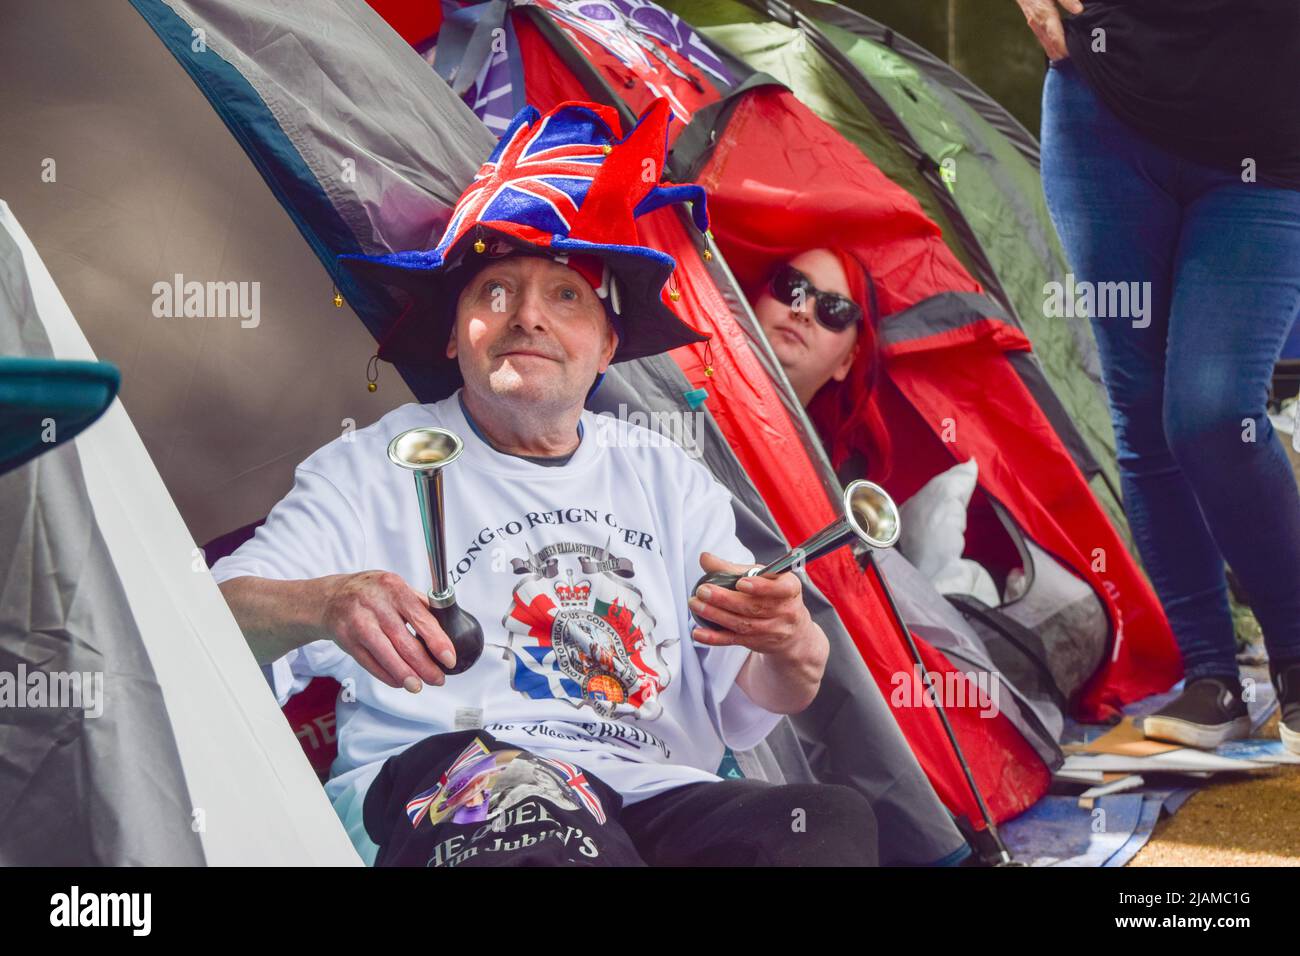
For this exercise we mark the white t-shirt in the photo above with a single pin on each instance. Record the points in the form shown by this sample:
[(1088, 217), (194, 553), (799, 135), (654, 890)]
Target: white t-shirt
[(578, 574)]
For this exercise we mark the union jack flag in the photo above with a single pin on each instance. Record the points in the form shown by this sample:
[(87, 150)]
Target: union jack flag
[(536, 177), (576, 779), (418, 807)]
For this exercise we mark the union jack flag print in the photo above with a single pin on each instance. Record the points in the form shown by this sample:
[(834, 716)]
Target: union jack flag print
[(581, 786), (536, 178), (418, 807)]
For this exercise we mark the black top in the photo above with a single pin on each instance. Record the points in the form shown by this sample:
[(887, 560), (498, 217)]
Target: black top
[(1214, 81)]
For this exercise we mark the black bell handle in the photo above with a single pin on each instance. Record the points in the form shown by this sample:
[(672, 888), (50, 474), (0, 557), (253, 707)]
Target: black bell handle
[(465, 634)]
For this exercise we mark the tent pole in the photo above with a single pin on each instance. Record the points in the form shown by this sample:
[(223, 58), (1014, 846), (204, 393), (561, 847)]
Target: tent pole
[(1004, 855)]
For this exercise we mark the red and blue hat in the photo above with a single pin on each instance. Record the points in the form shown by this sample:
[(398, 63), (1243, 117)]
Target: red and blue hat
[(568, 185)]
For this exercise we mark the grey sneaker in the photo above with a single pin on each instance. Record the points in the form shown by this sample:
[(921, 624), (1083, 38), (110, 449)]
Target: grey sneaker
[(1208, 712), (1286, 680)]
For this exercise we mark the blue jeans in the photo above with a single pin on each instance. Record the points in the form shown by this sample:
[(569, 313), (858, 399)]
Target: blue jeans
[(1204, 477)]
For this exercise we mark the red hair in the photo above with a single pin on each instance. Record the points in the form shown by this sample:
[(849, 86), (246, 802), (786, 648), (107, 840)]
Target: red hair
[(846, 413)]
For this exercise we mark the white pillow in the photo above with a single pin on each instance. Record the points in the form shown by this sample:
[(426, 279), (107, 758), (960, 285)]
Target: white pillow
[(968, 577), (933, 534)]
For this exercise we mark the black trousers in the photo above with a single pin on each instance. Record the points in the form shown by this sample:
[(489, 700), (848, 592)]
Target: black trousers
[(467, 799)]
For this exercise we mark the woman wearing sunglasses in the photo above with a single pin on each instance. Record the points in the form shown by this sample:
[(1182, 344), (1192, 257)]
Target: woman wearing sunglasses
[(818, 310)]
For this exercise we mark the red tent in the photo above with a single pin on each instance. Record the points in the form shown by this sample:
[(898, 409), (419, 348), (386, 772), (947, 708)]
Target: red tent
[(781, 180)]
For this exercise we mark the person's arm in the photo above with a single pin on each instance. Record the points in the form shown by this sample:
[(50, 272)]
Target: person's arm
[(365, 614), (294, 583), (767, 615)]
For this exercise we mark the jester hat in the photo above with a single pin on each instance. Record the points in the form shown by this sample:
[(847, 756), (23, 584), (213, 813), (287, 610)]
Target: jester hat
[(568, 185)]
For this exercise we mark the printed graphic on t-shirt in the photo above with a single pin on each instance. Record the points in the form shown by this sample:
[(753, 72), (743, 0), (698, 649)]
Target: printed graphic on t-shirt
[(482, 785), (579, 631)]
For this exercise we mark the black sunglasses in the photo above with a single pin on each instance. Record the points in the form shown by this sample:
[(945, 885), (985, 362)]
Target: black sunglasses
[(834, 311)]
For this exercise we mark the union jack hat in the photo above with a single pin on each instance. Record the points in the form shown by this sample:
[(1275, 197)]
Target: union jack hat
[(569, 185)]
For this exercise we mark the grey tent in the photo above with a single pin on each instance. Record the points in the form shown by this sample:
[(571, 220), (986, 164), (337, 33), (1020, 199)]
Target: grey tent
[(182, 759)]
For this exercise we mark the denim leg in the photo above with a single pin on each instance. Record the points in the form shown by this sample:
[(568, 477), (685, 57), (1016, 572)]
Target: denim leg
[(1236, 295), (1112, 198)]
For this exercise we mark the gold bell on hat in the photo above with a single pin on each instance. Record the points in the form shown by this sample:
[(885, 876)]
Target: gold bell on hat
[(674, 294), (479, 245), (607, 149)]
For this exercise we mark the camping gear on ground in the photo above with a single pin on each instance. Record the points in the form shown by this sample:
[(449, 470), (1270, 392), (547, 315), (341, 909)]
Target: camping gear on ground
[(425, 452)]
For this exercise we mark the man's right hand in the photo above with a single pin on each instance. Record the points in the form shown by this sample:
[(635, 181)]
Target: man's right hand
[(366, 615)]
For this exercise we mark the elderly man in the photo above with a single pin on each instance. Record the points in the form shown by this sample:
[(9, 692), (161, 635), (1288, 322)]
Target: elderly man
[(591, 728)]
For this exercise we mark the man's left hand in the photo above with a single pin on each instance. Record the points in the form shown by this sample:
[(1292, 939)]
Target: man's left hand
[(765, 614), (768, 616)]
